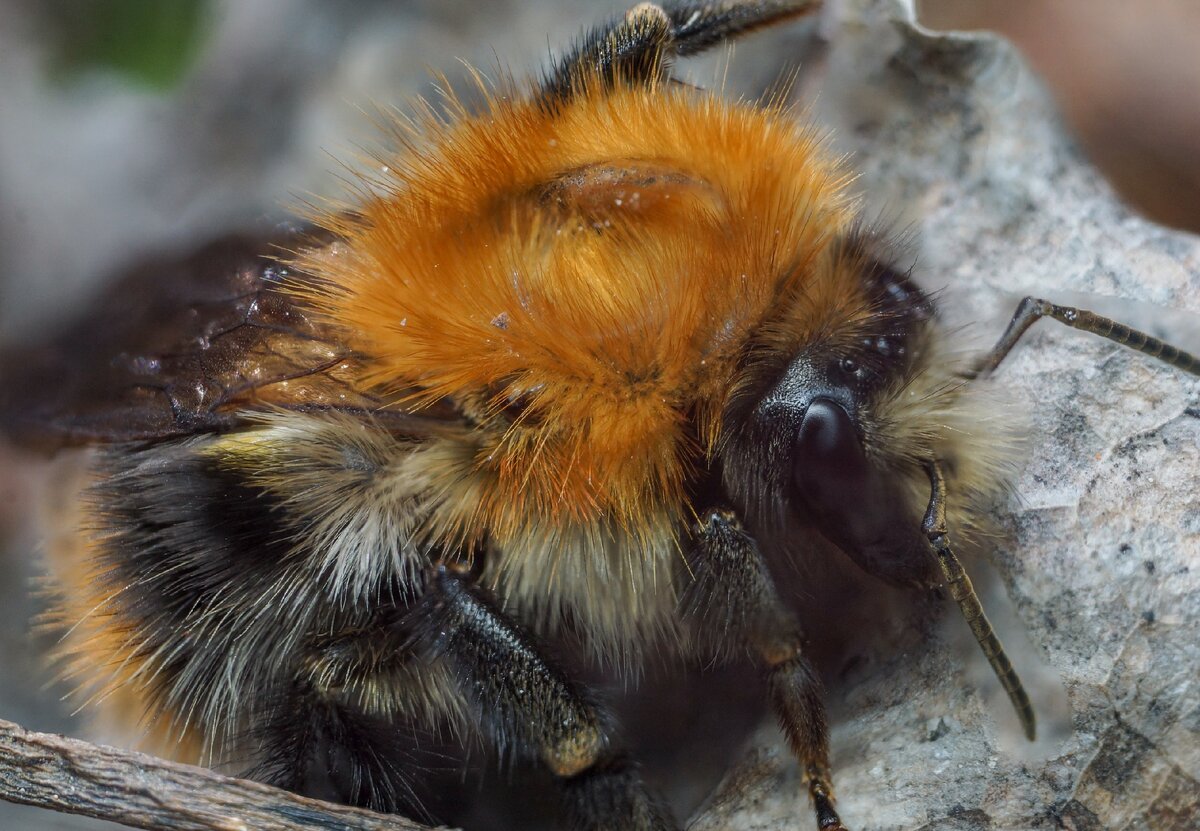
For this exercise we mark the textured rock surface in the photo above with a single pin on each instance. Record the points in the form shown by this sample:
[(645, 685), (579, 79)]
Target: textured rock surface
[(956, 142)]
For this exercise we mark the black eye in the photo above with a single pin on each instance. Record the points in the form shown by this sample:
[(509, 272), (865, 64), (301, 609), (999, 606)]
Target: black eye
[(859, 507), (831, 471), (848, 366)]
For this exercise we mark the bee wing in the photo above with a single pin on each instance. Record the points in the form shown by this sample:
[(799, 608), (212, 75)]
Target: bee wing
[(180, 346)]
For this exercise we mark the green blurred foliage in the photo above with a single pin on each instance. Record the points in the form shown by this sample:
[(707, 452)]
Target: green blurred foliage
[(149, 43)]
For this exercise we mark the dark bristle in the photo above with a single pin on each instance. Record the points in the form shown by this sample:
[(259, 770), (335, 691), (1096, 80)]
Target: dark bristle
[(315, 747)]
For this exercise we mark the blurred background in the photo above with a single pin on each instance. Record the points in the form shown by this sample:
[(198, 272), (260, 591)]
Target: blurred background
[(134, 126), (1127, 79)]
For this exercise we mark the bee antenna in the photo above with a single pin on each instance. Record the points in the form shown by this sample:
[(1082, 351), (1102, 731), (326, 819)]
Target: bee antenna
[(963, 593), (1033, 309)]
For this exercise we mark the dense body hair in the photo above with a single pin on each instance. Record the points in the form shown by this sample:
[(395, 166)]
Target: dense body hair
[(602, 263)]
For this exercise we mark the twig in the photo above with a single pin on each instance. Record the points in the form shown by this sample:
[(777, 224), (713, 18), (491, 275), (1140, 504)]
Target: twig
[(142, 791)]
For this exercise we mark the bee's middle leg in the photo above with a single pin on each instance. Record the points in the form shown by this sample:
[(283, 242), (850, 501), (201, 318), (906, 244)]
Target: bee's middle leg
[(529, 705), (732, 601)]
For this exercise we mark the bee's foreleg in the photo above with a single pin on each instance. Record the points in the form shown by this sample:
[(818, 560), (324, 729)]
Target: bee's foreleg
[(528, 705), (732, 601), (637, 48), (963, 592)]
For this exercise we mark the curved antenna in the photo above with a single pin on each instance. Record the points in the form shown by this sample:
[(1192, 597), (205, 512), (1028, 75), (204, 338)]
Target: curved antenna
[(963, 593), (1032, 309)]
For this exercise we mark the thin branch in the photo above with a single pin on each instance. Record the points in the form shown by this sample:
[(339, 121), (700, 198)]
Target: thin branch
[(76, 777)]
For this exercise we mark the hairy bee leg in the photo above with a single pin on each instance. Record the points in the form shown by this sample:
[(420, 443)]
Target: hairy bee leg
[(637, 48), (797, 698), (934, 526), (732, 599), (610, 796), (528, 703), (310, 742), (1032, 309)]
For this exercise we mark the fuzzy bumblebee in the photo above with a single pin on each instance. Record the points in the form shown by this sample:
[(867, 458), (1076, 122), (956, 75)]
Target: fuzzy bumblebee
[(604, 360)]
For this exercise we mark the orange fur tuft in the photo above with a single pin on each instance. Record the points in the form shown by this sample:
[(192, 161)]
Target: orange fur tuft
[(602, 264), (98, 648)]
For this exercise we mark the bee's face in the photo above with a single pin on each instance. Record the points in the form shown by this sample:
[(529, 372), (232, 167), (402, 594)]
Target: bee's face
[(808, 434)]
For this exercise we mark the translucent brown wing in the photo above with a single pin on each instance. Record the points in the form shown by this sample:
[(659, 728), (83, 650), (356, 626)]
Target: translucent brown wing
[(180, 346)]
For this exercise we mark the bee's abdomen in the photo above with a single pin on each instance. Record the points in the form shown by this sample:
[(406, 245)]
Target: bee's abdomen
[(195, 598)]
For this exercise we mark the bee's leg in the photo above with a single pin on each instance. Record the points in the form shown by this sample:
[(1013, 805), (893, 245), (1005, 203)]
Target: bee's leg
[(1032, 309), (959, 584), (313, 741), (637, 48), (359, 722), (529, 705), (732, 600)]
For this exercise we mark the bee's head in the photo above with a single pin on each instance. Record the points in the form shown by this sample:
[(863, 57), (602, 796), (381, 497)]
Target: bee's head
[(830, 431)]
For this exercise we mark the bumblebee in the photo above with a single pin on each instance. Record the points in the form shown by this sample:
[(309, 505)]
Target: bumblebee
[(605, 361)]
